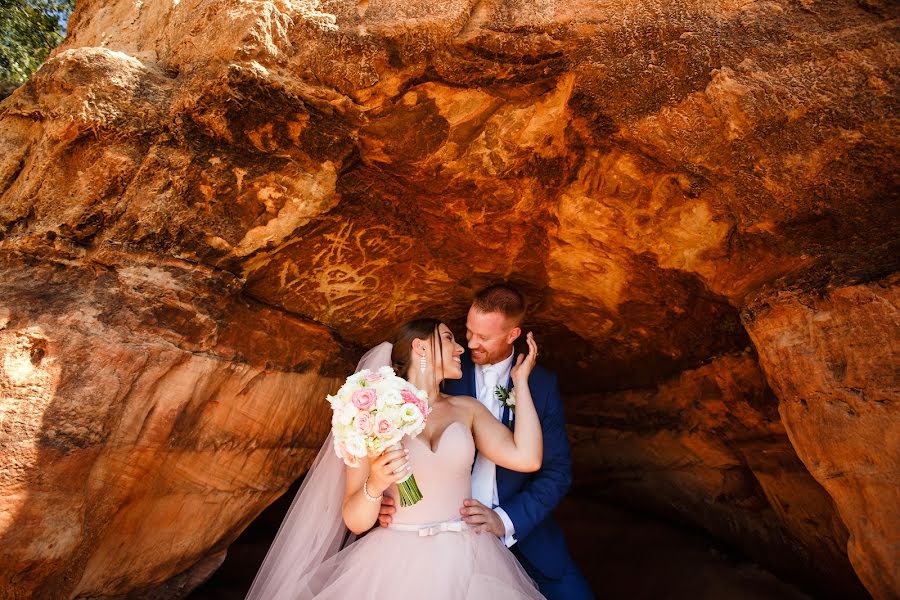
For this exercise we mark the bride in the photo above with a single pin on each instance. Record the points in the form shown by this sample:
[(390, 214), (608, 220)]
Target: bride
[(427, 551)]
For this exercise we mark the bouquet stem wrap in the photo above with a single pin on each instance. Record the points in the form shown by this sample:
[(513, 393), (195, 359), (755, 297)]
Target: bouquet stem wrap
[(408, 488)]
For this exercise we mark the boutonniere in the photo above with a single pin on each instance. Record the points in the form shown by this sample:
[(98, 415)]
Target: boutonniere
[(506, 397)]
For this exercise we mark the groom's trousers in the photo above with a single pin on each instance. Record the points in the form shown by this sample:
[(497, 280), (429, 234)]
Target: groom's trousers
[(571, 586)]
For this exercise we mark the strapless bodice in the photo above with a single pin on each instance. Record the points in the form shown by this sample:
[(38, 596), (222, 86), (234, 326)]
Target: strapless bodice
[(427, 548), (444, 476)]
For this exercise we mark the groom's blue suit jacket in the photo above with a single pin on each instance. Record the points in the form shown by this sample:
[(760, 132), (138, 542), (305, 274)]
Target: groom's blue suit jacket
[(529, 498)]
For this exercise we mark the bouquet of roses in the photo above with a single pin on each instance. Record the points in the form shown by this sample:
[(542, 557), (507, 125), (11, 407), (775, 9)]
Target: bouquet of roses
[(373, 410)]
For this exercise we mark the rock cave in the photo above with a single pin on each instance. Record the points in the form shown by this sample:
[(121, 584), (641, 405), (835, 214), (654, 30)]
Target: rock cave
[(210, 209)]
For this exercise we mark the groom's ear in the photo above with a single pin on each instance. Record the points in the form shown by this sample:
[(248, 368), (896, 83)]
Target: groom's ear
[(513, 335)]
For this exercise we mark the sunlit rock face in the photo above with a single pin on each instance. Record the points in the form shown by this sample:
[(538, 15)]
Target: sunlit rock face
[(147, 414), (199, 195), (832, 360)]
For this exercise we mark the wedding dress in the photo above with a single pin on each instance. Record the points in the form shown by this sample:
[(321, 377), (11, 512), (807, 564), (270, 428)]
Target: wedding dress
[(427, 552)]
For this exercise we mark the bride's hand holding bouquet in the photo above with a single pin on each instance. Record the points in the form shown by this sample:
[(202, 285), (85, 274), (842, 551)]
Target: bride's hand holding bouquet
[(372, 412)]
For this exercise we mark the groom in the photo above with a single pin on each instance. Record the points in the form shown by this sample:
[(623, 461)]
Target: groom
[(516, 507)]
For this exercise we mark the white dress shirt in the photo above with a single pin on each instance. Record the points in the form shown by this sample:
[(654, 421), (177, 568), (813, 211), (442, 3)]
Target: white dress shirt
[(484, 472)]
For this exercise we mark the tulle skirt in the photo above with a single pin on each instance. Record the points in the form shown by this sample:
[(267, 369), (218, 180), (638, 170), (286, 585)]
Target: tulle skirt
[(395, 565)]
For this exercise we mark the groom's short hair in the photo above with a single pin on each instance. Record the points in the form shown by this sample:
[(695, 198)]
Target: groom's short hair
[(501, 298)]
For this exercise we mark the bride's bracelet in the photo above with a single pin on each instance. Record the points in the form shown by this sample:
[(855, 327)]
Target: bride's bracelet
[(368, 496)]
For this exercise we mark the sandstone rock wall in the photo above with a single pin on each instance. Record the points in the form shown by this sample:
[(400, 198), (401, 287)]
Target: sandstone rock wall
[(832, 358), (708, 448), (147, 415), (218, 192)]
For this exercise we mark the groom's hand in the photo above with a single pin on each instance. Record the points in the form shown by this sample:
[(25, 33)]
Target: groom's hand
[(386, 512), (483, 518)]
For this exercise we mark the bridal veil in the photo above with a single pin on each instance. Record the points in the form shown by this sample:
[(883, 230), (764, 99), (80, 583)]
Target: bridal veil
[(313, 529)]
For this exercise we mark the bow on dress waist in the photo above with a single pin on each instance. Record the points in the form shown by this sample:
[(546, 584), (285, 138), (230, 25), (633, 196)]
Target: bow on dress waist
[(432, 528)]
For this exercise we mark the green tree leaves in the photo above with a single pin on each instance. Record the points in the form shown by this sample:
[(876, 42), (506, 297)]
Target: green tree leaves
[(29, 30)]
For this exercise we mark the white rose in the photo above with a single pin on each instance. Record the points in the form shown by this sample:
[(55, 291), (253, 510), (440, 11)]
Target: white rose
[(390, 441), (345, 414), (343, 431), (355, 445), (409, 413), (392, 414), (378, 445), (354, 382), (414, 427), (387, 397)]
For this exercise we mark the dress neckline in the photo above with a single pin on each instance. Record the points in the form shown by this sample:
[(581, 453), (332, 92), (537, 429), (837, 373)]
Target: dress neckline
[(434, 449)]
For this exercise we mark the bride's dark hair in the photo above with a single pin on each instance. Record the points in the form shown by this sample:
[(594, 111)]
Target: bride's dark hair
[(418, 329)]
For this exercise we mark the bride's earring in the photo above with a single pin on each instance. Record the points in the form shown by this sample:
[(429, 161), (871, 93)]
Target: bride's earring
[(422, 364)]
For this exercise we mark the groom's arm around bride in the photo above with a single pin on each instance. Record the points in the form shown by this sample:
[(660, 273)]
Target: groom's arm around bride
[(529, 499), (522, 517), (540, 492)]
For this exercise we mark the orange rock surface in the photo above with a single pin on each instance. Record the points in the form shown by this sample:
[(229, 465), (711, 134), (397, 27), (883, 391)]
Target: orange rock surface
[(833, 361), (147, 415), (207, 209)]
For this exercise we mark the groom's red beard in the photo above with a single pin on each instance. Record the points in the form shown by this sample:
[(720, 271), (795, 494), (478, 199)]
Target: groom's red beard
[(483, 357), (478, 357)]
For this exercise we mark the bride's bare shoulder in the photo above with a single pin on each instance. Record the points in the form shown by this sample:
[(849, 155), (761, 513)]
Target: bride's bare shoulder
[(466, 402)]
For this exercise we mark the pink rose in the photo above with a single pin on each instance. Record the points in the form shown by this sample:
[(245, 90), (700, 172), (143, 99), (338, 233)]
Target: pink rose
[(411, 398), (374, 377), (363, 399), (364, 423), (384, 427), (423, 408)]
